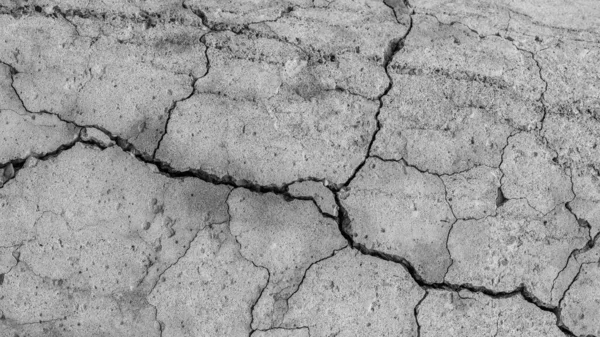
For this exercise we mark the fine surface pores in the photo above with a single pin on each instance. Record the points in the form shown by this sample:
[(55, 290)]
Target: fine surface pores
[(296, 168)]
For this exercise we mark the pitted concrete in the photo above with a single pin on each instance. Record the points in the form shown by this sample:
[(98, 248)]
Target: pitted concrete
[(299, 168)]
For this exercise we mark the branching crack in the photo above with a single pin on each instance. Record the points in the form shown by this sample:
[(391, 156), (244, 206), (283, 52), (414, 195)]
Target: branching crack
[(394, 47), (174, 104), (344, 226), (343, 219), (308, 268)]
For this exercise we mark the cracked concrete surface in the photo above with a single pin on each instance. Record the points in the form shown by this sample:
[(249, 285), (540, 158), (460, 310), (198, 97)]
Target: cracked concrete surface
[(299, 168)]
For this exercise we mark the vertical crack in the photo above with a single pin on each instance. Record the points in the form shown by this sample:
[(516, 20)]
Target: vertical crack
[(174, 104), (500, 198), (259, 295), (393, 47), (416, 313), (542, 98), (451, 226), (306, 272)]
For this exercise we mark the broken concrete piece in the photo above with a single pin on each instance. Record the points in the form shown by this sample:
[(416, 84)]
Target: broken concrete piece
[(447, 313), (455, 99), (211, 290), (472, 194), (516, 247), (351, 294), (6, 173), (531, 171), (8, 97), (397, 210), (24, 134), (322, 196), (285, 237), (96, 136)]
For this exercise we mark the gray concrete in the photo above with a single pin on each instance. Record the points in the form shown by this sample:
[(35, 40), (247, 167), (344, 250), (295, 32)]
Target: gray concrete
[(296, 168)]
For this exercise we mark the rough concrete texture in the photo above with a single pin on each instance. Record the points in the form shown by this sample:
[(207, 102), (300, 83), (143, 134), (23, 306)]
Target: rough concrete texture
[(397, 210), (209, 291), (355, 295), (456, 98), (318, 191), (517, 247), (581, 302), (286, 238), (473, 194), (302, 332), (465, 313), (299, 168)]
